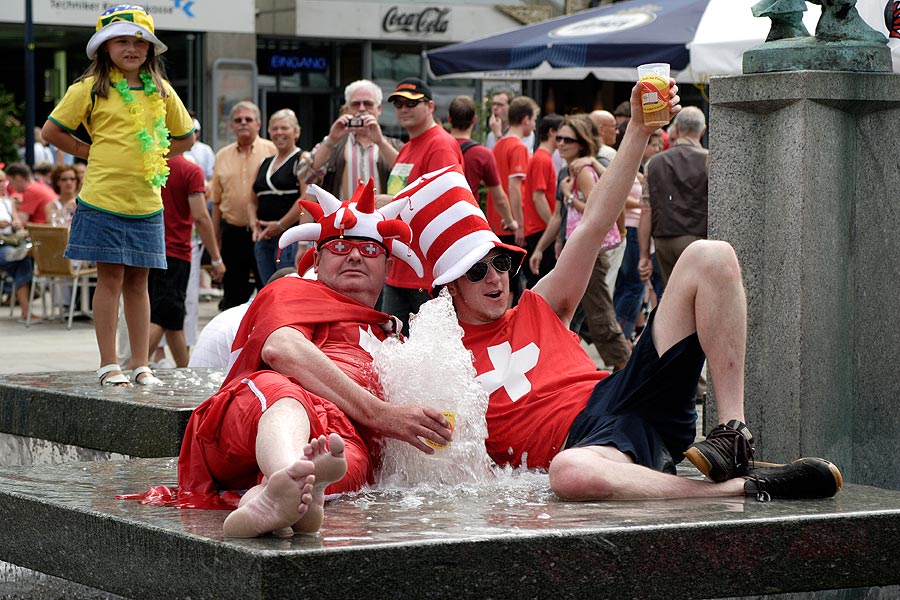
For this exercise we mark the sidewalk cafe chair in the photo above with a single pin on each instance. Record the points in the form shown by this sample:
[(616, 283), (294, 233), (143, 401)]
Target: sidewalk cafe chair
[(53, 270)]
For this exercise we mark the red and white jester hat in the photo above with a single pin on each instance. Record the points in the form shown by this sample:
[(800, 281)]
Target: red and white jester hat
[(450, 228), (357, 218)]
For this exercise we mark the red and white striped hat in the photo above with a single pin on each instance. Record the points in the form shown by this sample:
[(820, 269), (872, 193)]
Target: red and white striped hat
[(356, 218), (452, 232)]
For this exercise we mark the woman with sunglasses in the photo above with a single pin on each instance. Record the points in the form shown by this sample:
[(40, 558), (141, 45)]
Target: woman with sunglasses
[(64, 179), (576, 141)]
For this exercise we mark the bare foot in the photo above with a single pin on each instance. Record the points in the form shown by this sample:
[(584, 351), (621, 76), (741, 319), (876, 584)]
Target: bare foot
[(331, 466), (280, 501)]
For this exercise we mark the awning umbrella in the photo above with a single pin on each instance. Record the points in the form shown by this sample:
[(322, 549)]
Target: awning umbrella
[(698, 38)]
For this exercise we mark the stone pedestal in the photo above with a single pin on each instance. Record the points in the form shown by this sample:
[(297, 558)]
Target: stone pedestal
[(804, 180)]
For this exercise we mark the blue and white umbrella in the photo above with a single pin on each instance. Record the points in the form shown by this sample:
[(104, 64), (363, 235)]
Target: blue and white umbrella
[(698, 38)]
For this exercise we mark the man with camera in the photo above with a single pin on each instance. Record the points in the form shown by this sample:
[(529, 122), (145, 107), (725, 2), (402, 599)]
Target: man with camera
[(355, 147)]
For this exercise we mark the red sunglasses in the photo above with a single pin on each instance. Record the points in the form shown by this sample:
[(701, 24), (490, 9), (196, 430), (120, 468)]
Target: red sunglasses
[(344, 246)]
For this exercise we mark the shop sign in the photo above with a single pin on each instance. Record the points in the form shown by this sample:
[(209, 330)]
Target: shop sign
[(291, 61), (231, 16), (429, 20)]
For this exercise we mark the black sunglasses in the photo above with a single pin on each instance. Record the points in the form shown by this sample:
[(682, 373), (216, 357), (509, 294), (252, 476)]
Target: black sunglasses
[(401, 102), (502, 263), (561, 139), (243, 119)]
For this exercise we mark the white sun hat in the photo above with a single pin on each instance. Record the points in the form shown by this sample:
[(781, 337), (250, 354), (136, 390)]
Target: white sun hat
[(124, 19)]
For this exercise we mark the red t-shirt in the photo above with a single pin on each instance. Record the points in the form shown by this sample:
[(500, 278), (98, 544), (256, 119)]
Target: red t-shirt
[(423, 154), (540, 176), (538, 376), (479, 165), (511, 155), (35, 199), (185, 178)]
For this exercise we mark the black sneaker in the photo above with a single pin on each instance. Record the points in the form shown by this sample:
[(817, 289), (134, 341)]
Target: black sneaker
[(726, 452), (803, 478)]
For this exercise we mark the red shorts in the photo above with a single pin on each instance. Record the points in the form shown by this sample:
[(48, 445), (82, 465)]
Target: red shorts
[(231, 458)]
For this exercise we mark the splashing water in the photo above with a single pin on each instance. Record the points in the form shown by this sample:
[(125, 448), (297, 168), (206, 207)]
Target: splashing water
[(434, 369)]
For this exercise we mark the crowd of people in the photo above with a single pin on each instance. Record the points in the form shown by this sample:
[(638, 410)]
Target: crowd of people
[(576, 208)]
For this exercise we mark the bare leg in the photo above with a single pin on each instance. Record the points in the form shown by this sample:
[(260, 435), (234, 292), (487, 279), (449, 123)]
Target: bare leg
[(296, 473), (178, 347), (22, 297), (106, 310), (156, 336), (604, 473), (285, 493), (137, 314), (706, 294), (331, 466)]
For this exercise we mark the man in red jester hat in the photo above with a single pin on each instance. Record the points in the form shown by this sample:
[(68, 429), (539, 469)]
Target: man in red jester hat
[(296, 413)]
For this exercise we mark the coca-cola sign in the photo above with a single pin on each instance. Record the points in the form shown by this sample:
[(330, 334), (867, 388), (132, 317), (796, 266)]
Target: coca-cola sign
[(429, 20)]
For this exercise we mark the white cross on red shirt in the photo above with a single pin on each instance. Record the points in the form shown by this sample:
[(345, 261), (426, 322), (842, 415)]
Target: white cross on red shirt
[(510, 369)]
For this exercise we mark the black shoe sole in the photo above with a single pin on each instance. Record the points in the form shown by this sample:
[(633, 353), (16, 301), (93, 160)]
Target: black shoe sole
[(699, 460)]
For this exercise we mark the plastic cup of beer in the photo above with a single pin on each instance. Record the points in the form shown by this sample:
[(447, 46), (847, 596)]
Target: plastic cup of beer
[(451, 416), (654, 80)]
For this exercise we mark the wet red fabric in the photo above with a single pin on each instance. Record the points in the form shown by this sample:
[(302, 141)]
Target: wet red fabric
[(287, 302)]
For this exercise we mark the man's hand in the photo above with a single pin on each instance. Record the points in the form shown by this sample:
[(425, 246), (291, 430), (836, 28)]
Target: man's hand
[(413, 424), (217, 271), (645, 269), (371, 128), (519, 236), (534, 263), (637, 110), (496, 126)]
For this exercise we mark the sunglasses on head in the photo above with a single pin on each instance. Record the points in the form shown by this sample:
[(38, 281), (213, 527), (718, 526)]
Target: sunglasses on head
[(343, 246), (502, 263), (401, 102), (561, 139), (243, 119)]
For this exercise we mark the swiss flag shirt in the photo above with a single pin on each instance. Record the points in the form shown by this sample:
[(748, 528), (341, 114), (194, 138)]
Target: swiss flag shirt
[(538, 377)]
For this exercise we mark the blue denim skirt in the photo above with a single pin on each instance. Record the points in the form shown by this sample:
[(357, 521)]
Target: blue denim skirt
[(102, 237)]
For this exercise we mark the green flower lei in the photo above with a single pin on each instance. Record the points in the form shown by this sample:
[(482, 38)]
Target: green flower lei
[(154, 145)]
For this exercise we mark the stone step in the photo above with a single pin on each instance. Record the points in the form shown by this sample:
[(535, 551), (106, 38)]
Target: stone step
[(70, 408), (496, 543)]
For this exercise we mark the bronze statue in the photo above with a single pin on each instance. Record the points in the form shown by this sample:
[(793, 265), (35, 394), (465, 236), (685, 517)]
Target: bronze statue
[(839, 21)]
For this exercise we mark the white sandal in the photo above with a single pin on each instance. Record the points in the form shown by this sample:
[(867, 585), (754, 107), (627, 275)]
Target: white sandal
[(145, 376), (107, 379)]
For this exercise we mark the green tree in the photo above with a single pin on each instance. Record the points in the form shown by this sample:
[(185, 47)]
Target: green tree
[(11, 130)]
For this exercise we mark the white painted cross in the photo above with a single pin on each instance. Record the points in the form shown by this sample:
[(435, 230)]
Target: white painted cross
[(368, 341), (510, 369)]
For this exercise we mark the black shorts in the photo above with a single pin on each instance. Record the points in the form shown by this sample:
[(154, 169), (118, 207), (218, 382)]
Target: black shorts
[(647, 410), (168, 289)]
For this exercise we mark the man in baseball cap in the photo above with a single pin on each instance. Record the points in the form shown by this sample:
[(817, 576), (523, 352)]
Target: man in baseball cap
[(411, 88), (429, 149), (124, 19)]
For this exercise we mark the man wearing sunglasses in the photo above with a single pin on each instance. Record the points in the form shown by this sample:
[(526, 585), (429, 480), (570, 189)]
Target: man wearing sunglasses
[(301, 370), (618, 436), (230, 190), (429, 148)]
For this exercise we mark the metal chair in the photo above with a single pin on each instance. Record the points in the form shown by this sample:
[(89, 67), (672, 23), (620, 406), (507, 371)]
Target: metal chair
[(53, 269), (4, 279)]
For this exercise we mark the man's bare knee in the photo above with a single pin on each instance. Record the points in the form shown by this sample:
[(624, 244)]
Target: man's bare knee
[(572, 477), (712, 259)]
